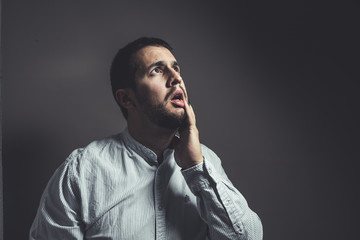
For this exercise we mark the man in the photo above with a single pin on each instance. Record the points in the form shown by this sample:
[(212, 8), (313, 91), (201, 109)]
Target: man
[(152, 181)]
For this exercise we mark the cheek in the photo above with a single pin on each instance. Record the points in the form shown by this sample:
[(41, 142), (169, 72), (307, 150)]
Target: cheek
[(154, 93)]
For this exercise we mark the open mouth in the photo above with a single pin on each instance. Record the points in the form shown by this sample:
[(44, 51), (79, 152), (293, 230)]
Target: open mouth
[(178, 99)]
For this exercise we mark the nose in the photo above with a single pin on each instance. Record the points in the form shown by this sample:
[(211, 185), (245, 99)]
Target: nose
[(174, 78)]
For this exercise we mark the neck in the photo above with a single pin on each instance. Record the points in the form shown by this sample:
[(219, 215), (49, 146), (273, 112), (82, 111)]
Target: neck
[(151, 136)]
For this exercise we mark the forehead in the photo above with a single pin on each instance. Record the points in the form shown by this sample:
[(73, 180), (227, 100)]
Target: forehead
[(150, 54)]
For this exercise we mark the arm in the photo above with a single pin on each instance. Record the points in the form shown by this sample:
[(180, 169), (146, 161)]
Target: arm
[(220, 204), (57, 216)]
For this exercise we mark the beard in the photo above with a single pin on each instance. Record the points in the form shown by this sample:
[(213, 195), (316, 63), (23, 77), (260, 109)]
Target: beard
[(160, 116)]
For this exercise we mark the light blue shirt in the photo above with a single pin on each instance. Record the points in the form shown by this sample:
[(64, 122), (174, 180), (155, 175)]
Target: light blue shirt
[(115, 189)]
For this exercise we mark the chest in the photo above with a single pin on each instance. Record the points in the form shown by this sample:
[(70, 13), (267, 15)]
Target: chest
[(149, 205)]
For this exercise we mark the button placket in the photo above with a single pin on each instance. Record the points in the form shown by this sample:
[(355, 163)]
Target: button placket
[(159, 208)]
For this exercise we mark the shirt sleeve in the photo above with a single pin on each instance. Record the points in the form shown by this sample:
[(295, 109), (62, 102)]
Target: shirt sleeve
[(57, 216), (220, 204)]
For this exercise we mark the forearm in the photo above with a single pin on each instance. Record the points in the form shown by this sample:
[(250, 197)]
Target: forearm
[(221, 206)]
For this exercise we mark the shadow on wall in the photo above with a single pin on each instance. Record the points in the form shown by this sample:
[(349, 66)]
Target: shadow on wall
[(28, 153)]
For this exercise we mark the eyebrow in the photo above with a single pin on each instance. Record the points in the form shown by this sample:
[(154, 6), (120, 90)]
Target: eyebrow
[(161, 64)]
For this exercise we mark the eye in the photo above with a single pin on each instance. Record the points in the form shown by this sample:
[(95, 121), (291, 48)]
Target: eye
[(156, 71), (176, 68)]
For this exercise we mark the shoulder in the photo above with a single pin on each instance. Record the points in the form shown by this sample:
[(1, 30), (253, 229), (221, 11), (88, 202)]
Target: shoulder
[(207, 152), (212, 160), (210, 155), (98, 155)]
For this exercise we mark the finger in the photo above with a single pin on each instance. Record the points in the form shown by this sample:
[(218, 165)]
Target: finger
[(190, 113)]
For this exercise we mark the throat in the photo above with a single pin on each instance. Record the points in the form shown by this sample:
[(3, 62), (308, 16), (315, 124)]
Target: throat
[(151, 136), (160, 158)]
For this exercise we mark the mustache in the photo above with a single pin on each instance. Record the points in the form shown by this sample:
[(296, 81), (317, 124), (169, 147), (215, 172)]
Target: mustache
[(173, 89)]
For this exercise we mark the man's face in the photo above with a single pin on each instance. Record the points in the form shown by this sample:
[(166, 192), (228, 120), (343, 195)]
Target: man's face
[(160, 90)]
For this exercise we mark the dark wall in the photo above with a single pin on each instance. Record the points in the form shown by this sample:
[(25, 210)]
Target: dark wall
[(274, 85), (1, 176)]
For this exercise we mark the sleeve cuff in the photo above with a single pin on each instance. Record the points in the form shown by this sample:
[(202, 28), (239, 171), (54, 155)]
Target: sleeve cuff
[(200, 176)]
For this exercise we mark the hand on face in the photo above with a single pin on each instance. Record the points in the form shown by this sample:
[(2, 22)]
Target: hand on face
[(187, 147), (158, 72)]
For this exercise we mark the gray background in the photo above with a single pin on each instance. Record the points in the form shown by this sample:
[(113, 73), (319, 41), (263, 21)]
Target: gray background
[(274, 85)]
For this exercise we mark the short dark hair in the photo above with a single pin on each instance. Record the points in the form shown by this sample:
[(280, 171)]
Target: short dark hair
[(123, 67)]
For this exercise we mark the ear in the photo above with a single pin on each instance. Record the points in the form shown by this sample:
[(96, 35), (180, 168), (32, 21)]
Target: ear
[(125, 98)]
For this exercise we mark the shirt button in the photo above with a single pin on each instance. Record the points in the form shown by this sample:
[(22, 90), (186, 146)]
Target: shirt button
[(160, 208), (210, 170)]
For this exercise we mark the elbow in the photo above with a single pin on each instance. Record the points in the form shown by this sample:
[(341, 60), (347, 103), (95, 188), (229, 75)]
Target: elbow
[(253, 229), (250, 227)]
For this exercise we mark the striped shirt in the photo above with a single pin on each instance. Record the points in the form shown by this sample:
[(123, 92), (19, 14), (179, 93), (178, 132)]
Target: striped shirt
[(115, 189)]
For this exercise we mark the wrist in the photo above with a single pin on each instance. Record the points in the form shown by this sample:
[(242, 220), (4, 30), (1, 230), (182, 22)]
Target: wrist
[(192, 164)]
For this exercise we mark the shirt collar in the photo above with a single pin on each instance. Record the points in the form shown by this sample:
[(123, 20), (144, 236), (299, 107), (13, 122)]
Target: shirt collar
[(140, 149)]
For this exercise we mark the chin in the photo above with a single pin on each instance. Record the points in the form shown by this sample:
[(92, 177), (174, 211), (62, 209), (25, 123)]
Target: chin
[(178, 110), (172, 121), (166, 117)]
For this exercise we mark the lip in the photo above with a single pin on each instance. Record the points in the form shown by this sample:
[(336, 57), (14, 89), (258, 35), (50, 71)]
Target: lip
[(178, 102)]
